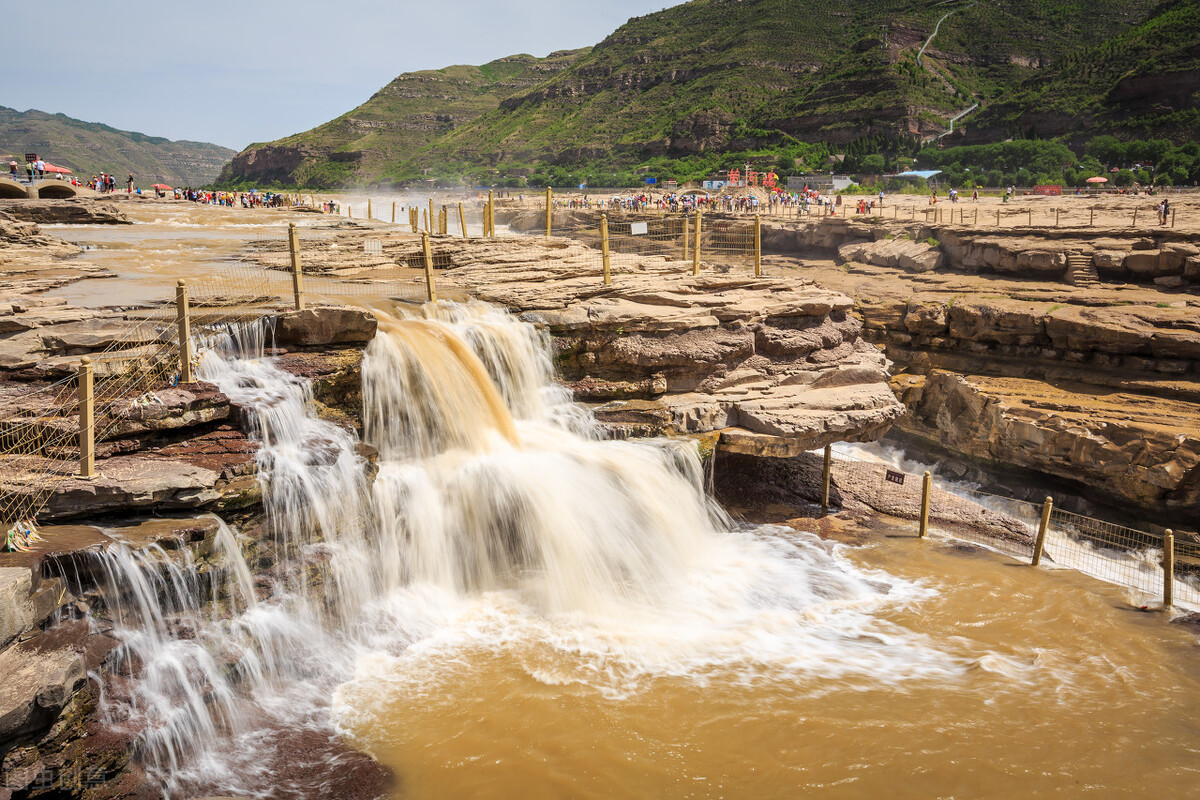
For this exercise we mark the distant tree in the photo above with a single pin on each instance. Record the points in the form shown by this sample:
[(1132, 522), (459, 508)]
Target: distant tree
[(1123, 178), (872, 163)]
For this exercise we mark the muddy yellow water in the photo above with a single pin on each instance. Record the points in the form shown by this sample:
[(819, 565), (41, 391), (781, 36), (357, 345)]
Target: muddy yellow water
[(1049, 685)]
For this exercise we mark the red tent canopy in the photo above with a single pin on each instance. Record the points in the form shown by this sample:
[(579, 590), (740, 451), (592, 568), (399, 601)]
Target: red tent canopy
[(51, 168), (162, 186)]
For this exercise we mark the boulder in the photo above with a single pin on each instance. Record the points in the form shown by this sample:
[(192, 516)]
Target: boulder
[(926, 318), (1142, 263), (322, 326), (36, 686), (16, 615)]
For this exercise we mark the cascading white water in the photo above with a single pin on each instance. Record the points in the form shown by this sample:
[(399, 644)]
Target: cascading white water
[(498, 515)]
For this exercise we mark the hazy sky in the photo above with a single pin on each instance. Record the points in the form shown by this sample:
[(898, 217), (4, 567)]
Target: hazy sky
[(254, 70)]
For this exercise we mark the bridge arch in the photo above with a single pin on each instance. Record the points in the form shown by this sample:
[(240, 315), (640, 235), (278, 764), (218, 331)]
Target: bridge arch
[(11, 190), (55, 190)]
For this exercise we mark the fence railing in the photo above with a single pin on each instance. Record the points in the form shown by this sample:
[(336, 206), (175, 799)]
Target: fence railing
[(1156, 569)]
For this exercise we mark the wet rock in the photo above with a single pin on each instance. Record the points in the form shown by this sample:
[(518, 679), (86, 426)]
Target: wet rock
[(16, 614), (74, 211), (323, 326), (125, 483), (36, 686)]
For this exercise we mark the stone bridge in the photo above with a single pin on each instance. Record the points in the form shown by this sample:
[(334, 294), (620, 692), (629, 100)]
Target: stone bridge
[(44, 189)]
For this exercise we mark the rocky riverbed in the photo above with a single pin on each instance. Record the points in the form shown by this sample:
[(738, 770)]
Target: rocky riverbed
[(1004, 368)]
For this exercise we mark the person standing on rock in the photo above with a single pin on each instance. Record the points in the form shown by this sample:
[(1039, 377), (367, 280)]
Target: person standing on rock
[(130, 184), (41, 168), (12, 169)]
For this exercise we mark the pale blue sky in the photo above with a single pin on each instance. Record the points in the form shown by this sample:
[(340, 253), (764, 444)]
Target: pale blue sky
[(240, 72)]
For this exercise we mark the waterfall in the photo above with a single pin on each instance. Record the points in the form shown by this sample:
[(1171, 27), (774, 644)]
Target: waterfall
[(498, 514)]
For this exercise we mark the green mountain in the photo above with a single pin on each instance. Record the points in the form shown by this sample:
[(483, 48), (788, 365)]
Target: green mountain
[(402, 118), (687, 89), (89, 148), (1143, 82)]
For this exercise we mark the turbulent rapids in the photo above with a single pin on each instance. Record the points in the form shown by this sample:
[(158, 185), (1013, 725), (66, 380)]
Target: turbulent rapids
[(506, 602), (497, 515)]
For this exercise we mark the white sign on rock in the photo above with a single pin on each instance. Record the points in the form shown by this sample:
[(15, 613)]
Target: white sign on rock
[(637, 229)]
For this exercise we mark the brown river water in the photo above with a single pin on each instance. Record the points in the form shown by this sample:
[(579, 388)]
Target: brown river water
[(770, 664)]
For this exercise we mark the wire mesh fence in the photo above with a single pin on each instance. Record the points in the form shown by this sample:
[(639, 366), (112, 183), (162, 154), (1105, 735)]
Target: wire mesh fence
[(1154, 568)]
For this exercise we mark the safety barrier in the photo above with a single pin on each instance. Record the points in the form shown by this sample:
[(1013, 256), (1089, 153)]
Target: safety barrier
[(1157, 569)]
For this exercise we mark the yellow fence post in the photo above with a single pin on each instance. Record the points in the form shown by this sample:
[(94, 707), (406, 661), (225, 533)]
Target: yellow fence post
[(393, 212), (549, 211), (1092, 219), (1168, 568), (1029, 217), (87, 420), (430, 288), (757, 246), (443, 221), (185, 333), (491, 213), (369, 216), (825, 476), (604, 249), (1039, 544), (696, 244), (429, 217), (1135, 216), (926, 485), (349, 212), (462, 220), (297, 271)]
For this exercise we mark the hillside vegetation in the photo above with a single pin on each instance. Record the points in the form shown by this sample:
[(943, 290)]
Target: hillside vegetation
[(89, 148), (710, 83)]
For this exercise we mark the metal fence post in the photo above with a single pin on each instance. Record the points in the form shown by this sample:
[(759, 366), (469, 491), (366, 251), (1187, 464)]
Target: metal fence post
[(87, 420), (926, 485), (462, 220), (696, 244), (549, 212), (1039, 544), (825, 476), (430, 288), (604, 249), (297, 271), (757, 246), (1168, 568), (185, 333)]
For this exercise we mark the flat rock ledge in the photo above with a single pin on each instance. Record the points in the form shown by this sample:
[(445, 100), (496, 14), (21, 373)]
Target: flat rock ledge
[(776, 366)]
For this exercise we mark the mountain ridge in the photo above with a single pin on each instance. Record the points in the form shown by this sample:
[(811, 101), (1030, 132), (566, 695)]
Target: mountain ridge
[(670, 90), (89, 148)]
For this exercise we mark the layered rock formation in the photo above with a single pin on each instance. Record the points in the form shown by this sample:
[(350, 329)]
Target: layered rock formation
[(776, 367), (1094, 387)]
